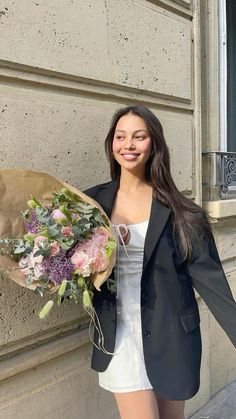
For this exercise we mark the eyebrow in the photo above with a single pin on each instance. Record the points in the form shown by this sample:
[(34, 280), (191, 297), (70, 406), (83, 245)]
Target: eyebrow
[(135, 132)]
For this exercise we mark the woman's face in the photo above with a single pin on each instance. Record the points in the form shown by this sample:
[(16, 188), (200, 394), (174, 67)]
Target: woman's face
[(132, 144)]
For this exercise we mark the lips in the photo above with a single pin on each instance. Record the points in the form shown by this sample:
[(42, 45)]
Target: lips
[(130, 156)]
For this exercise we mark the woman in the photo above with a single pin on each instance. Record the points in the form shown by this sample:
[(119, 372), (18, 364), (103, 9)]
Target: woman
[(151, 354)]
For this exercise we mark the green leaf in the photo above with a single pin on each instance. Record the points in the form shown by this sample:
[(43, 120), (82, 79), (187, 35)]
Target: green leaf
[(28, 250), (38, 253), (25, 214), (43, 279), (39, 290), (42, 215), (67, 293), (99, 218), (77, 231), (64, 209), (19, 249), (67, 243), (84, 207), (46, 251), (110, 246), (53, 231), (29, 237), (33, 203)]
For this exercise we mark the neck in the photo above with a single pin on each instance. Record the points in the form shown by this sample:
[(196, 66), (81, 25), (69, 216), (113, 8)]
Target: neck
[(131, 182)]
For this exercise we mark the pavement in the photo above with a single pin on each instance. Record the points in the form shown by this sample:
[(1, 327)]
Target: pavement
[(221, 406)]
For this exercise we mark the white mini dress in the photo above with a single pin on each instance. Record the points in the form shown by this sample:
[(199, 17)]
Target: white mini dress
[(126, 370)]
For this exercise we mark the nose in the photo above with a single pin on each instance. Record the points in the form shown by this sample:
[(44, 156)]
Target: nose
[(129, 142)]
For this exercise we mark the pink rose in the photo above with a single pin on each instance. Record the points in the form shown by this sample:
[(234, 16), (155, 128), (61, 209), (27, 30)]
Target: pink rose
[(54, 248), (39, 240), (82, 263), (100, 262), (101, 236), (67, 231), (58, 216), (31, 265)]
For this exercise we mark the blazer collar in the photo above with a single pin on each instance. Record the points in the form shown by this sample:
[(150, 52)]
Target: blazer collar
[(158, 217)]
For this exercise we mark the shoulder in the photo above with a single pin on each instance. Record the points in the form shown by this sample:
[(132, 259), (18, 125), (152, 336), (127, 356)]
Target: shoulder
[(94, 190)]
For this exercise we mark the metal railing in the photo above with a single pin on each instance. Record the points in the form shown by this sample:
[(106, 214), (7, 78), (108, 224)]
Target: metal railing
[(221, 172)]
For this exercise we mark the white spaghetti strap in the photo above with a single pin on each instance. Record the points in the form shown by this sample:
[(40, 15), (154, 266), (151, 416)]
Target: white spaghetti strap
[(123, 243)]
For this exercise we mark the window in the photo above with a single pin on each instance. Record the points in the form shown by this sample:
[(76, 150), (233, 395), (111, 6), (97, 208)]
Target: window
[(225, 159), (219, 173), (231, 74), (227, 71)]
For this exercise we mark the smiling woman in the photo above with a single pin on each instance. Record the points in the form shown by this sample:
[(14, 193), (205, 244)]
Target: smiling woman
[(151, 323)]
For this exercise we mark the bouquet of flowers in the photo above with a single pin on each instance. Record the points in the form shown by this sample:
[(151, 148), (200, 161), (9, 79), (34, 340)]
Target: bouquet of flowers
[(63, 243)]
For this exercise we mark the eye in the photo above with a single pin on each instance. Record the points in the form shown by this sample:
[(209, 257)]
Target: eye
[(140, 137), (119, 137)]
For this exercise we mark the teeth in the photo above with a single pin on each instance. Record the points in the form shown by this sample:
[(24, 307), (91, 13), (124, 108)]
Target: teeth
[(130, 155)]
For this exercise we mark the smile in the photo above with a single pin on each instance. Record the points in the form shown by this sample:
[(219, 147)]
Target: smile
[(129, 156)]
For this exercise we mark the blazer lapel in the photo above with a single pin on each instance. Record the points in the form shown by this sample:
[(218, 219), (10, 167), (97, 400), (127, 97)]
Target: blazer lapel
[(158, 217), (106, 196)]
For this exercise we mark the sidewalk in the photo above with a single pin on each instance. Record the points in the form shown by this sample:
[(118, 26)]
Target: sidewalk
[(221, 406)]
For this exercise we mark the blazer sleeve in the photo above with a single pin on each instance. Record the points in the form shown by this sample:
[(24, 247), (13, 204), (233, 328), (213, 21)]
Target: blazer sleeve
[(208, 278)]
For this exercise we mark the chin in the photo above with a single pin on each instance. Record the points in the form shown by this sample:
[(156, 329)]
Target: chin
[(132, 167)]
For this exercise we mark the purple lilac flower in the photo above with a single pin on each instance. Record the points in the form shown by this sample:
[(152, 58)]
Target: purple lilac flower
[(33, 224), (58, 267)]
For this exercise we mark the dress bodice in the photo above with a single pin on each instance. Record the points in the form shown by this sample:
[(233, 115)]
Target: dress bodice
[(130, 256), (129, 263)]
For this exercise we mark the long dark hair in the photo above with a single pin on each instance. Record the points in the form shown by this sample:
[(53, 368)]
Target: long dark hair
[(187, 216)]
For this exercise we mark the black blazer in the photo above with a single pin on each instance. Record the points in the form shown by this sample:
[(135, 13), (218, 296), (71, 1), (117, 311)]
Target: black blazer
[(169, 311)]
